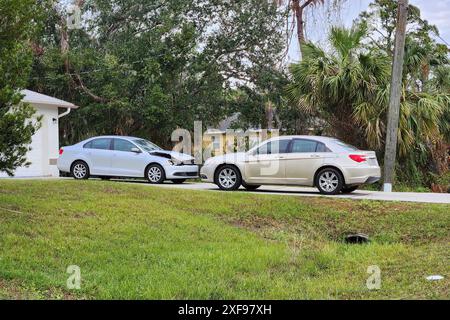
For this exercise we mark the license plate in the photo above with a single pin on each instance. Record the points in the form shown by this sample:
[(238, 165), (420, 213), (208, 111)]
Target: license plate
[(373, 162)]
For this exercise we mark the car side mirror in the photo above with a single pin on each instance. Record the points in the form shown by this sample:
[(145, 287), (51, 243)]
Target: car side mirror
[(136, 150)]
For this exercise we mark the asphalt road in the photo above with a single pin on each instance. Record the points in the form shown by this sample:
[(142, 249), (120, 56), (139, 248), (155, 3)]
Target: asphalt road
[(312, 192)]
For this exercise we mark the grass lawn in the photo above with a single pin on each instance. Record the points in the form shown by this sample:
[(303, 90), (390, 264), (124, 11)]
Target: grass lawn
[(136, 241)]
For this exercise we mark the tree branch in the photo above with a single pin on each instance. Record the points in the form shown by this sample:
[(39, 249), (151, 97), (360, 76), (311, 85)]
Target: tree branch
[(89, 92), (307, 3)]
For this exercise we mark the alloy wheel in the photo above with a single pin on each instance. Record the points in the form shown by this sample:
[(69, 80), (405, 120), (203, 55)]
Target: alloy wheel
[(227, 178), (328, 181), (79, 171), (154, 174)]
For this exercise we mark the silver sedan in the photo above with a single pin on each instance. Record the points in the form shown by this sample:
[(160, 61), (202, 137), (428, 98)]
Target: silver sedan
[(117, 156)]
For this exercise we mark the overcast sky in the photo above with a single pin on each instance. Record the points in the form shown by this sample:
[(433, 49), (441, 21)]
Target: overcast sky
[(435, 11)]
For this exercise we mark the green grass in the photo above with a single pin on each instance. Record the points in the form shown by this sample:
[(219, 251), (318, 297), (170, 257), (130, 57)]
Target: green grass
[(398, 187), (133, 241)]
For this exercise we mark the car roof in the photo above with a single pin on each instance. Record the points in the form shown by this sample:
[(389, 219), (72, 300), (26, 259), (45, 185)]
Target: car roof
[(110, 137), (316, 138)]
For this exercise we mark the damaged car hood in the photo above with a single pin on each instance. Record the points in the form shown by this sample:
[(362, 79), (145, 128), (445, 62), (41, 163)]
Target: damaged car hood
[(173, 155)]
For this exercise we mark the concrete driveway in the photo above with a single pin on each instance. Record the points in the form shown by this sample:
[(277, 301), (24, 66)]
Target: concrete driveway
[(312, 192)]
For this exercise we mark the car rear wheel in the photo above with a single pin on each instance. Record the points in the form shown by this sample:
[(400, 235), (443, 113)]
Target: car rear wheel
[(349, 189), (329, 181), (155, 174), (80, 170), (228, 178), (178, 181)]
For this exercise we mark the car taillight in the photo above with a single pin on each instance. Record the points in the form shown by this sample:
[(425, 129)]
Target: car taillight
[(358, 158), (61, 151)]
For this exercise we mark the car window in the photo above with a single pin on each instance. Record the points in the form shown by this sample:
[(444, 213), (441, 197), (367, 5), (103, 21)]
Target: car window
[(300, 145), (88, 145), (123, 145), (102, 144), (346, 146), (274, 147), (322, 148)]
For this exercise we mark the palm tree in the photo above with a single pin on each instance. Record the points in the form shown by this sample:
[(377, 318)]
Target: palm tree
[(349, 88)]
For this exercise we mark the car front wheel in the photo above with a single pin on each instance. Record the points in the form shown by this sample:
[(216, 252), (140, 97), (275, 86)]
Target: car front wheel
[(228, 178), (329, 181), (155, 174), (80, 170)]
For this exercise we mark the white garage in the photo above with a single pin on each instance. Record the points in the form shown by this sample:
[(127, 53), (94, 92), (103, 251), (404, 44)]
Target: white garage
[(45, 144)]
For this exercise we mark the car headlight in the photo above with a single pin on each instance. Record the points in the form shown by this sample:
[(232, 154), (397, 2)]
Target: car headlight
[(175, 162)]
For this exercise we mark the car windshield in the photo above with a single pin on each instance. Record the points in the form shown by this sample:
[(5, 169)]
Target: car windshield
[(146, 145), (345, 145)]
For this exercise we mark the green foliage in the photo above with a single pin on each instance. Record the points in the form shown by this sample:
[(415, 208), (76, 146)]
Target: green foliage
[(16, 130), (19, 20), (381, 18), (349, 88), (145, 69)]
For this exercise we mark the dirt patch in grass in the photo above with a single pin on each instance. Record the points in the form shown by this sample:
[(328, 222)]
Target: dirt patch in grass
[(85, 214), (10, 290), (318, 218), (12, 209), (388, 223), (257, 223), (112, 190), (16, 290)]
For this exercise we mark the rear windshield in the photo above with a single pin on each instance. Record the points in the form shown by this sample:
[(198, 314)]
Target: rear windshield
[(345, 146)]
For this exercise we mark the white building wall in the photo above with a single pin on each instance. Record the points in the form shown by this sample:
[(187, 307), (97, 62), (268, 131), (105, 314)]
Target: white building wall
[(44, 146)]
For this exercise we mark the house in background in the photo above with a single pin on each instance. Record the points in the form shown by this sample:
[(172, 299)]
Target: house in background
[(45, 142)]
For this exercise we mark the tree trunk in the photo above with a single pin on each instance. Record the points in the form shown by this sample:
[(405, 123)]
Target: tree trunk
[(269, 115), (64, 43), (298, 11), (439, 157)]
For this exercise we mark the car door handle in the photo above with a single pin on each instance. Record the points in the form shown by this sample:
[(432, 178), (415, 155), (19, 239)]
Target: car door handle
[(314, 156)]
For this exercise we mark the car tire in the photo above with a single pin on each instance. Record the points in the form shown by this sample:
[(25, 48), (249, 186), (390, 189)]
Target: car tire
[(250, 187), (329, 181), (228, 178), (349, 189), (178, 181), (80, 170), (155, 174)]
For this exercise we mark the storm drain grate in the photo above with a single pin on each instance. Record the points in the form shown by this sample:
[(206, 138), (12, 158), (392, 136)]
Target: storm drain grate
[(356, 238)]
